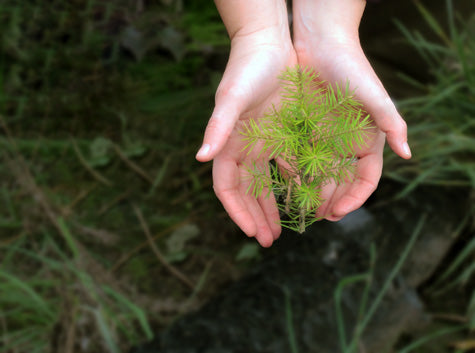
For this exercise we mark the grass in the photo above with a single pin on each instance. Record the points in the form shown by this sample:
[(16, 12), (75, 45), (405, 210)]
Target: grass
[(442, 128), (55, 291), (98, 189), (442, 134), (366, 313), (62, 293)]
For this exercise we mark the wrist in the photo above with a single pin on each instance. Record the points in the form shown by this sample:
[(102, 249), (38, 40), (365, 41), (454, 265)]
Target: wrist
[(328, 21), (244, 19)]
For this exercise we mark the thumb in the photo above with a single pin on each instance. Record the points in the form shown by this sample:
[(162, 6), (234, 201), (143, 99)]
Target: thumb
[(249, 79), (231, 102), (387, 118), (371, 92)]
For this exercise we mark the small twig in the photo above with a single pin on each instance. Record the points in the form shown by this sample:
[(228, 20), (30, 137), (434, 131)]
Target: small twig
[(161, 258), (71, 333), (99, 235), (86, 165), (114, 201), (126, 257), (303, 211), (3, 324), (450, 317), (188, 194), (287, 198), (199, 172), (81, 196), (132, 165)]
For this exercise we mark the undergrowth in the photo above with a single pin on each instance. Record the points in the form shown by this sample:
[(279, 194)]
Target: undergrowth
[(441, 132), (100, 194), (441, 120)]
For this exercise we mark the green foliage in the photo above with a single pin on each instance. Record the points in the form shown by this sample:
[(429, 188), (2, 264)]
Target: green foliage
[(85, 131), (57, 60), (69, 65), (441, 131), (249, 251), (367, 309), (62, 298), (312, 137), (442, 119)]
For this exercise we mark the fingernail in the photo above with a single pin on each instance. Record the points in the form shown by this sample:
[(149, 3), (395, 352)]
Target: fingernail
[(406, 149), (203, 151)]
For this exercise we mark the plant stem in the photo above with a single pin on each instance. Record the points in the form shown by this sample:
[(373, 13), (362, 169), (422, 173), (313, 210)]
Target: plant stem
[(287, 198), (303, 211)]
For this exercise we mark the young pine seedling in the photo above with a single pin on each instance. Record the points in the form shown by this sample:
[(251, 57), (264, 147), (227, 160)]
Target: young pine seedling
[(310, 141)]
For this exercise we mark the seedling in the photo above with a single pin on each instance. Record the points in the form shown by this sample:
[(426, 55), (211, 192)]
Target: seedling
[(310, 140)]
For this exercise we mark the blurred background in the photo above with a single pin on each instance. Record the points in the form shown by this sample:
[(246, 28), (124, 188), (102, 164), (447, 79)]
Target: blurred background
[(109, 229)]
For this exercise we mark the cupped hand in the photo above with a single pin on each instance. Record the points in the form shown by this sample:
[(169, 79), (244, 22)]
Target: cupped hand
[(341, 199), (258, 217), (347, 64), (329, 44), (248, 89)]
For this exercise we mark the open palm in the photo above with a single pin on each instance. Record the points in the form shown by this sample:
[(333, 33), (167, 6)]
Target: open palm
[(344, 61), (248, 89)]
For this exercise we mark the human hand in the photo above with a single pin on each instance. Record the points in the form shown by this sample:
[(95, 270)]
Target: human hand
[(326, 39), (260, 52)]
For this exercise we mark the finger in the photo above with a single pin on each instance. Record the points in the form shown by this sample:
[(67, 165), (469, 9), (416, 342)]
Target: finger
[(233, 98), (230, 103), (264, 234), (327, 193), (352, 196), (271, 212), (226, 184), (371, 92), (333, 218), (335, 191), (352, 65), (250, 79), (387, 118)]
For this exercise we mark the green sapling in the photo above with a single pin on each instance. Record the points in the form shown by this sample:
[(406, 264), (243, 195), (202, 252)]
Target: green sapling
[(310, 140)]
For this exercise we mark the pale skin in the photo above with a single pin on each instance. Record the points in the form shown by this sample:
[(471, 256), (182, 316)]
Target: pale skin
[(325, 39)]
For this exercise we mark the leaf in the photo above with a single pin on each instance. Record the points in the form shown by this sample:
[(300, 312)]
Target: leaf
[(134, 150), (249, 251), (174, 41), (100, 152), (139, 43), (178, 239), (471, 312), (133, 40)]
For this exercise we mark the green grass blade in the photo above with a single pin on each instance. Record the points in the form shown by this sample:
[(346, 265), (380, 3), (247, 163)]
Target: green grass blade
[(137, 311), (392, 275), (467, 252), (418, 343), (432, 22), (363, 277), (20, 284), (68, 237), (290, 321), (105, 331)]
